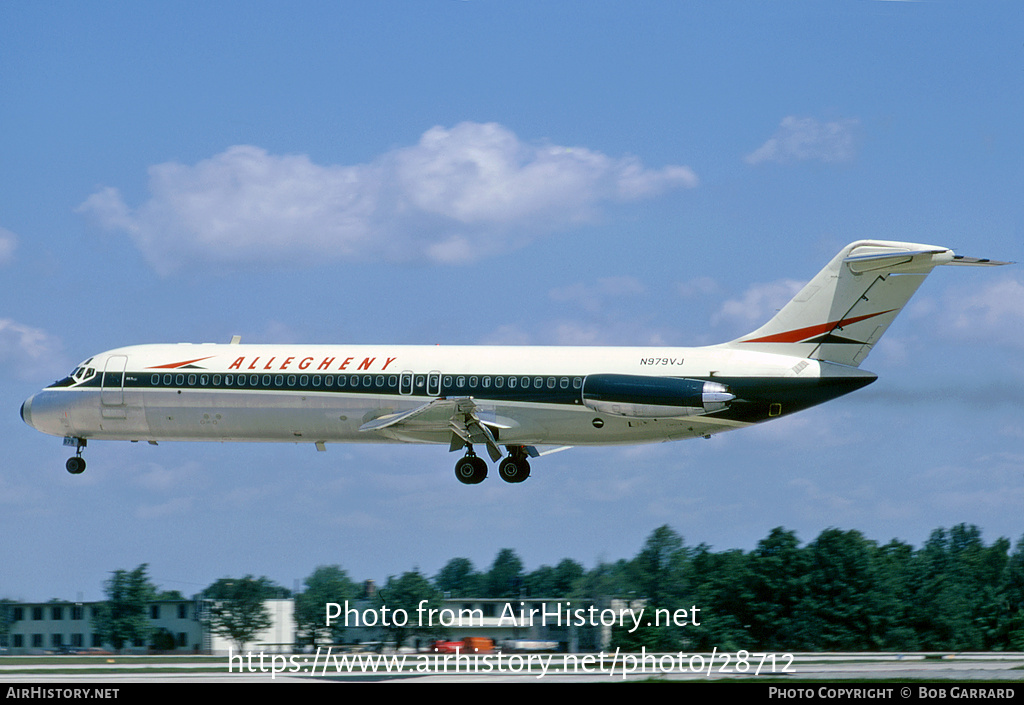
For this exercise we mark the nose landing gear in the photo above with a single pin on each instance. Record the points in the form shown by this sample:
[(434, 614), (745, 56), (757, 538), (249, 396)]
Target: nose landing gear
[(76, 465)]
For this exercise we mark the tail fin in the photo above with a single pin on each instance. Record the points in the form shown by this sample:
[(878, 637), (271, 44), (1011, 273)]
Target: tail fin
[(841, 313)]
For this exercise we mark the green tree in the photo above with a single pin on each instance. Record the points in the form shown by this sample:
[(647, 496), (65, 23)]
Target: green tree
[(658, 575), (1014, 596), (841, 605), (778, 567), (407, 593), (6, 619), (124, 617), (553, 582), (328, 583), (459, 578), (721, 584), (235, 608), (505, 578), (567, 573)]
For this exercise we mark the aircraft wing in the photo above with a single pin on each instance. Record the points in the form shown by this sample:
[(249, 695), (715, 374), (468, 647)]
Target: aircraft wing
[(459, 415)]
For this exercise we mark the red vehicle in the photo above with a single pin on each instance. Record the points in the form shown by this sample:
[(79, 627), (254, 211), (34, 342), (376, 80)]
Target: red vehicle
[(469, 645), (442, 646)]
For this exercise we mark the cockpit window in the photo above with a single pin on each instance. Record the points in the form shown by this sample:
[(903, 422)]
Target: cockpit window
[(83, 373)]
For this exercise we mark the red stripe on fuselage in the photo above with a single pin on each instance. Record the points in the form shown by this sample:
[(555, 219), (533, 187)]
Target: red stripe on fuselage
[(176, 365)]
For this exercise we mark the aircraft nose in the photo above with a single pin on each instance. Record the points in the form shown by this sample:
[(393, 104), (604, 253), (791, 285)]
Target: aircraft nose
[(26, 411)]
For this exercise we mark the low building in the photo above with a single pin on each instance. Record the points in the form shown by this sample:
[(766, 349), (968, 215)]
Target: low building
[(176, 627)]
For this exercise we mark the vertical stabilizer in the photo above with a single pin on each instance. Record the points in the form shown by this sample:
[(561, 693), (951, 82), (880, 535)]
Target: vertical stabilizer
[(843, 311)]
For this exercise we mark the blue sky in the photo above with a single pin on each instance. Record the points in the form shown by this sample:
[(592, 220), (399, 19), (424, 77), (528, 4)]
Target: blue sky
[(647, 173)]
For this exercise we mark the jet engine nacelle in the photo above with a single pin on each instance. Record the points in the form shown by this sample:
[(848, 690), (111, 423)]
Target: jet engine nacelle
[(653, 397)]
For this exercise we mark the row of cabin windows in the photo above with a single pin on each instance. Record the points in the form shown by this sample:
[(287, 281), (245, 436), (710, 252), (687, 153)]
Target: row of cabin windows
[(253, 381)]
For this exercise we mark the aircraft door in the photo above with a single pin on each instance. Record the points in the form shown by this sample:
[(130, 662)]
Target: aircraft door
[(434, 384), (112, 382)]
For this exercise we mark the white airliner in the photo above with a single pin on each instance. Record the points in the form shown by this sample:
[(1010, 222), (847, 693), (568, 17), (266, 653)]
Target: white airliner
[(523, 398)]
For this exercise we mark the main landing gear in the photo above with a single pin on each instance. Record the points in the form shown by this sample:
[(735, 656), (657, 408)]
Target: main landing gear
[(472, 469), (75, 465)]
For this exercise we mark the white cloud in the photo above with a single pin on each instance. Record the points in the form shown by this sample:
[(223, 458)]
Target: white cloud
[(29, 351), (458, 195), (756, 306), (698, 288), (992, 313), (807, 139), (594, 297), (8, 243)]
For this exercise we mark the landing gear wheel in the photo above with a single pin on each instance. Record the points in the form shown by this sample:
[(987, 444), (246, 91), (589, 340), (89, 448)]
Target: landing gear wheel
[(471, 470), (514, 469), (75, 465)]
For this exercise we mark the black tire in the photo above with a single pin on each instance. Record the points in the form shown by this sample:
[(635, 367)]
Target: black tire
[(75, 465), (471, 470), (513, 470)]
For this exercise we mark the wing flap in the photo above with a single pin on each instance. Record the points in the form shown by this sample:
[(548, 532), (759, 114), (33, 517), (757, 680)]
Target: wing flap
[(461, 416)]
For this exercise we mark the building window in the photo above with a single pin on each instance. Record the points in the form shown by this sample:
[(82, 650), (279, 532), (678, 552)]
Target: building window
[(154, 611), (77, 612), (57, 612), (37, 641), (182, 611), (37, 614)]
